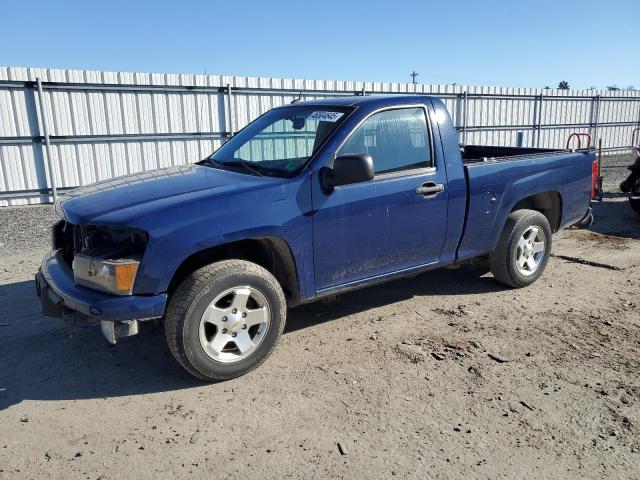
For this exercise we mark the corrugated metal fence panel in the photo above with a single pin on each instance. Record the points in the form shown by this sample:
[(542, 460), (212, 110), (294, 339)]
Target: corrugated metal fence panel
[(107, 124)]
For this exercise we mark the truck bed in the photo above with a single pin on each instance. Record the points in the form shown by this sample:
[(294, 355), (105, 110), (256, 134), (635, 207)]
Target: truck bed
[(482, 153), (499, 177)]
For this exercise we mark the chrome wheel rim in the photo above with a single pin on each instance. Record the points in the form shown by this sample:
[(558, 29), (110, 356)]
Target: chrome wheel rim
[(530, 251), (234, 324)]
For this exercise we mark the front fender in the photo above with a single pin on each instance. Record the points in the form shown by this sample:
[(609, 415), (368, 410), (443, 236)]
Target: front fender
[(188, 229)]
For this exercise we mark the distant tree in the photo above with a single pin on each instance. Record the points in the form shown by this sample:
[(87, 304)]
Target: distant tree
[(630, 87), (563, 85), (613, 88), (547, 87)]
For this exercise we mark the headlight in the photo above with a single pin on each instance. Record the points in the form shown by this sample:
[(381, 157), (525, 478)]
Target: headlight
[(109, 258), (113, 276)]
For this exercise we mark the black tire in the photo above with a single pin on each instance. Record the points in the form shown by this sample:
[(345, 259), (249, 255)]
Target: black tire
[(625, 186), (192, 297), (503, 259)]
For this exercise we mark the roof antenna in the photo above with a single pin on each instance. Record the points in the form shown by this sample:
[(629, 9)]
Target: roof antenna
[(296, 100)]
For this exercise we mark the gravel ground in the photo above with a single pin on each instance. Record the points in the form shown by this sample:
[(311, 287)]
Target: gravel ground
[(25, 228), (614, 170), (447, 375)]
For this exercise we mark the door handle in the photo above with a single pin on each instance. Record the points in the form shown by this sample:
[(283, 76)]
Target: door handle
[(430, 189)]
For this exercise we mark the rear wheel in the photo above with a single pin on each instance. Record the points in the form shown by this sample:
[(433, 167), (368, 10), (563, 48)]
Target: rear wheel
[(523, 250), (225, 319)]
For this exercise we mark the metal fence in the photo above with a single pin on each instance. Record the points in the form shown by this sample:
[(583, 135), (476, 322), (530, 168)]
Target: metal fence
[(67, 128)]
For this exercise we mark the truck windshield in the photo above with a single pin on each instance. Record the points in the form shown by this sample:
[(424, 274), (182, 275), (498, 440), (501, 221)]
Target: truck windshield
[(280, 142)]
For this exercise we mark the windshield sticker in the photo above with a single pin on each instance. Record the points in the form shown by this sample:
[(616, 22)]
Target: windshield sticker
[(325, 116)]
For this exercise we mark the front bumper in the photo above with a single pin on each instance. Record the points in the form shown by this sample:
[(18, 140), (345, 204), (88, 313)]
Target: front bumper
[(59, 295)]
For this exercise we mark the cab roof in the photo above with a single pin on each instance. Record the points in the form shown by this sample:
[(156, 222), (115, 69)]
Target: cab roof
[(373, 101)]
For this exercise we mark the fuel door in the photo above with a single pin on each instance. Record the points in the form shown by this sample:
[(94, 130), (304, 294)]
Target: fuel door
[(489, 202)]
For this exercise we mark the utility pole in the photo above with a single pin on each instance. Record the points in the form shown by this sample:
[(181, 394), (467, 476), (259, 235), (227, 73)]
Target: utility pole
[(413, 76)]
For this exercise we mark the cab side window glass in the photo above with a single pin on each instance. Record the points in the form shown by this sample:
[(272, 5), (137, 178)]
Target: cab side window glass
[(396, 140)]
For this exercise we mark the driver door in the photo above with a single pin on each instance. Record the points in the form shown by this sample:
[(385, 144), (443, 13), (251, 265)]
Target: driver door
[(370, 229)]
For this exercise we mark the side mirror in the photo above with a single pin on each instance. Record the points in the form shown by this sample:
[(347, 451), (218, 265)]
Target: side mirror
[(349, 168)]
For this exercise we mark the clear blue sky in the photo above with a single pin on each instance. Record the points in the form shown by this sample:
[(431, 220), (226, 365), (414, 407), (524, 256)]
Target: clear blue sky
[(491, 42)]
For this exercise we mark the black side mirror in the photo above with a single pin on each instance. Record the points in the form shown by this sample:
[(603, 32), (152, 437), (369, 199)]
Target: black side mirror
[(349, 168)]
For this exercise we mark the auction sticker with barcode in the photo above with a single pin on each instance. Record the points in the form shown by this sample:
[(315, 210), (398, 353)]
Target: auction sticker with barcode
[(325, 116)]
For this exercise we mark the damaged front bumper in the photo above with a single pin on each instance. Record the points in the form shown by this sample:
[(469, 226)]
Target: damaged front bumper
[(118, 315)]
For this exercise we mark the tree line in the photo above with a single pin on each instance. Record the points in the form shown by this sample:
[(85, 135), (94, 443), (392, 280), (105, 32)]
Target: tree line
[(564, 85)]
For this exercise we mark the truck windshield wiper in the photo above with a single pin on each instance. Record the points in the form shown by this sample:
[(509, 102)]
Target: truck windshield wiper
[(249, 166)]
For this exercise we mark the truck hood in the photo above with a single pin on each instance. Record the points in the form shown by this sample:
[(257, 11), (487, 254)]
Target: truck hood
[(144, 191)]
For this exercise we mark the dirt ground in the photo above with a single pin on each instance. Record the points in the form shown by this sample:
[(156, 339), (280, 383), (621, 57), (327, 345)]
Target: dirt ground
[(446, 375)]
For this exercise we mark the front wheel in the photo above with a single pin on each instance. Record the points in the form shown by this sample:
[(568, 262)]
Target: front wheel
[(523, 250), (225, 319)]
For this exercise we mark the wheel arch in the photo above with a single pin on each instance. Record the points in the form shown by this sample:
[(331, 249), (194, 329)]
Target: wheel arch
[(547, 203), (270, 252)]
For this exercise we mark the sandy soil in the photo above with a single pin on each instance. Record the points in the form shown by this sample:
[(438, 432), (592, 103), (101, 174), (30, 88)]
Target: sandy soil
[(446, 375)]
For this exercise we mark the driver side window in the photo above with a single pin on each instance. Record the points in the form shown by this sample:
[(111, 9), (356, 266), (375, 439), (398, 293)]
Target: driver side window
[(396, 140)]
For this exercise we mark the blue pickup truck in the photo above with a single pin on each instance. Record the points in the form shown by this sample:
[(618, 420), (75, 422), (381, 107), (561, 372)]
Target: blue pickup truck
[(309, 200)]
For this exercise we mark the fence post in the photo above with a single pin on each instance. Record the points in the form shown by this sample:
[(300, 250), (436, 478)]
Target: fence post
[(230, 111), (458, 117), (534, 121), (539, 126), (465, 113), (45, 132), (592, 112), (595, 115), (632, 139)]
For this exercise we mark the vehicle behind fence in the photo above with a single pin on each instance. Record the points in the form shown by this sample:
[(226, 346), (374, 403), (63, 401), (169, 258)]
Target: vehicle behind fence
[(63, 128)]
